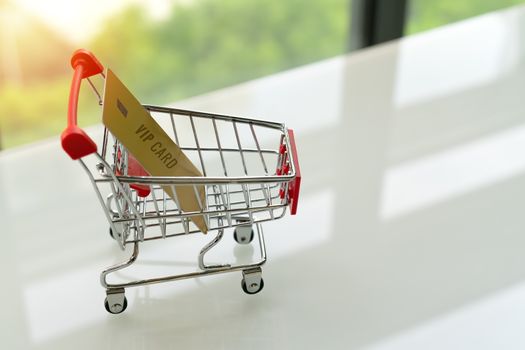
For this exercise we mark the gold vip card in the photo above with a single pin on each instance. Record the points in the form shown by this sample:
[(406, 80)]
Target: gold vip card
[(136, 129)]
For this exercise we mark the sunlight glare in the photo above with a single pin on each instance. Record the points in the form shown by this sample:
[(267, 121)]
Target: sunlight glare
[(80, 20)]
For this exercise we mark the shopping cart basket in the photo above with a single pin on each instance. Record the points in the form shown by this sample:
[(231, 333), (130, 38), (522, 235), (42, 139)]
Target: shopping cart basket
[(246, 183)]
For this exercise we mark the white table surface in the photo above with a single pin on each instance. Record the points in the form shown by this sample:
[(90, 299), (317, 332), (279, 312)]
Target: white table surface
[(410, 232)]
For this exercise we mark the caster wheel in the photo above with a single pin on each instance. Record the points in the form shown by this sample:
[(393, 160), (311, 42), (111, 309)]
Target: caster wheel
[(116, 308), (111, 233), (254, 288), (243, 234)]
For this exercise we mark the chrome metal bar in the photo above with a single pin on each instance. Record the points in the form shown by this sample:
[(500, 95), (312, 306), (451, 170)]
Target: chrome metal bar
[(95, 91), (185, 223), (162, 227), (99, 196), (205, 272), (212, 208), (115, 151), (259, 149), (265, 123), (220, 147), (201, 205), (126, 198), (164, 206), (225, 202), (206, 212), (280, 155), (230, 150), (144, 206), (174, 129), (240, 147), (207, 248), (263, 163), (195, 231), (246, 190), (105, 143), (256, 190), (262, 243), (289, 153), (247, 199), (117, 267), (116, 195), (267, 196), (200, 180), (197, 144), (220, 205), (229, 204), (184, 276)]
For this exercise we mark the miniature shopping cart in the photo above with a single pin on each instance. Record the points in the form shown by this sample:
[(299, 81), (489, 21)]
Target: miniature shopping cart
[(250, 175)]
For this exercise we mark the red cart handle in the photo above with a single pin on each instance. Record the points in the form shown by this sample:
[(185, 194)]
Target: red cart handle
[(294, 185), (75, 141)]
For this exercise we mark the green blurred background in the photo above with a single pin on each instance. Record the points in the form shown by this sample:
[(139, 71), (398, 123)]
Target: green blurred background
[(183, 48)]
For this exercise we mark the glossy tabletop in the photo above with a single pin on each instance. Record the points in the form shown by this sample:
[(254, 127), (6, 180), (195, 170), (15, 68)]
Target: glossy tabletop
[(410, 232)]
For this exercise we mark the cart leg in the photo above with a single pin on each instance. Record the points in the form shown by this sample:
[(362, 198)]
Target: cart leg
[(117, 267), (252, 282), (207, 248), (116, 301)]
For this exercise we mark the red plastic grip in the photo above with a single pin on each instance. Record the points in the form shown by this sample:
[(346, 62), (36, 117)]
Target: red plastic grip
[(75, 141), (135, 169), (294, 185)]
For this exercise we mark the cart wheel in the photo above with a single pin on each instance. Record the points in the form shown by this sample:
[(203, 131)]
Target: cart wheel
[(112, 234), (243, 234), (116, 308), (254, 288), (116, 301)]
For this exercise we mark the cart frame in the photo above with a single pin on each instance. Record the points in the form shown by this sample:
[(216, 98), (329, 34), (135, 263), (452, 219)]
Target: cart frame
[(137, 204)]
